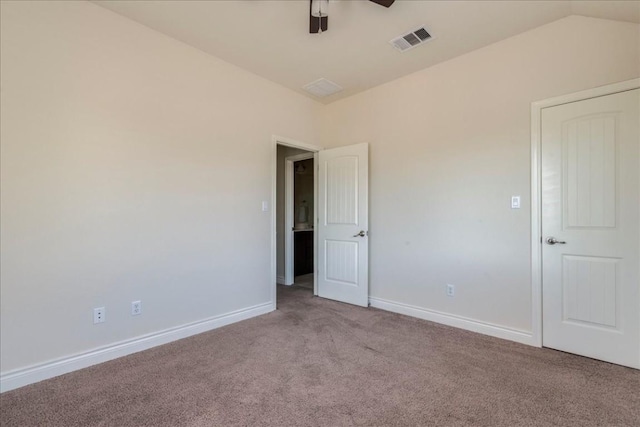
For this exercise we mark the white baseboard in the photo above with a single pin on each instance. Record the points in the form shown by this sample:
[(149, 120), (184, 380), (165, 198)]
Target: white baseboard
[(280, 280), (516, 335), (20, 377)]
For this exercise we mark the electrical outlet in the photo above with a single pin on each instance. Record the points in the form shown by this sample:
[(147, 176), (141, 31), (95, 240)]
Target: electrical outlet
[(451, 291), (99, 315), (136, 308)]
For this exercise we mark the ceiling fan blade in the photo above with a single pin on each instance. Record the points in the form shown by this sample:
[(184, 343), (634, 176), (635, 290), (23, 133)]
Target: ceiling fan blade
[(385, 3)]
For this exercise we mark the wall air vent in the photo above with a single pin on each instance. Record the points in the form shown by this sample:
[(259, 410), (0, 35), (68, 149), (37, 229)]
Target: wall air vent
[(411, 39), (322, 87)]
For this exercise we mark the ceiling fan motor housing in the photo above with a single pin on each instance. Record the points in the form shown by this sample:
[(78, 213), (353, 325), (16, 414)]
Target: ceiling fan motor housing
[(318, 14)]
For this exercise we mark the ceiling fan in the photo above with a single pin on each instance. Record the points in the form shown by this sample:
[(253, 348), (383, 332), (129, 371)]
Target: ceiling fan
[(318, 18)]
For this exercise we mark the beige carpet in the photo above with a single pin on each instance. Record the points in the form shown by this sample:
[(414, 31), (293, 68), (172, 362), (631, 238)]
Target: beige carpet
[(321, 363), (305, 281)]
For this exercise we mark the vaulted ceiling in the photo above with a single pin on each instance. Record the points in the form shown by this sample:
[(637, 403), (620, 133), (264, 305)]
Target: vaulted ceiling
[(271, 38)]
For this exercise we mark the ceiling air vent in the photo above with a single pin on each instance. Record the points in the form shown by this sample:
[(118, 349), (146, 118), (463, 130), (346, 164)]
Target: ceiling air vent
[(411, 40), (322, 87)]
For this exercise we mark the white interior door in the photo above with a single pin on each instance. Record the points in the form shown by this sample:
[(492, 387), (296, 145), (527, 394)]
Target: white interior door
[(591, 206), (343, 224)]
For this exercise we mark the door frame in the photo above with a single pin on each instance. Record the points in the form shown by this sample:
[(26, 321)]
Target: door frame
[(289, 181), (536, 188), (289, 142)]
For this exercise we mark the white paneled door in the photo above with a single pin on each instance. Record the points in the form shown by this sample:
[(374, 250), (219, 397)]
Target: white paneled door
[(343, 233), (590, 227)]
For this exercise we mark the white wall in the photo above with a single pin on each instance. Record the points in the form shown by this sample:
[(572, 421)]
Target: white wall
[(133, 167), (449, 145)]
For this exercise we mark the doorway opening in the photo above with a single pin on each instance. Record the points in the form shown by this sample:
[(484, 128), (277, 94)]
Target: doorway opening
[(294, 202), (295, 216), (339, 224)]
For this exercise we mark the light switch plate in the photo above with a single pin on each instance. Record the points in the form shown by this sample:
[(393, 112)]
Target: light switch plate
[(515, 202), (265, 206)]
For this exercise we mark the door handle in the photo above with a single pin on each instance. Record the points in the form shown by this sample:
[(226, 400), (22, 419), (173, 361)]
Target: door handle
[(553, 241), (362, 233)]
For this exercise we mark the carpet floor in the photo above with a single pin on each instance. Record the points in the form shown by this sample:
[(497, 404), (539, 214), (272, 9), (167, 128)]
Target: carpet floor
[(306, 281), (316, 362)]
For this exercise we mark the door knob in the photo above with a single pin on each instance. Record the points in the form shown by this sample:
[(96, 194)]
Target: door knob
[(362, 233), (553, 241)]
